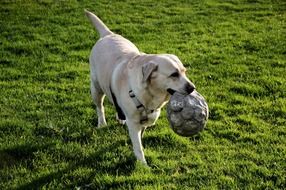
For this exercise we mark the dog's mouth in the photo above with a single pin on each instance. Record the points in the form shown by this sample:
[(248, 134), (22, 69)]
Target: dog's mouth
[(171, 91)]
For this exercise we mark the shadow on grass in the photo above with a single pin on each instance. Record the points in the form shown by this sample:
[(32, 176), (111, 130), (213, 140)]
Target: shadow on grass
[(96, 162), (168, 141), (20, 154)]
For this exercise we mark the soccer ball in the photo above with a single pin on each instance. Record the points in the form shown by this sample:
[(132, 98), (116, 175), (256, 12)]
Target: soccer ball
[(187, 114)]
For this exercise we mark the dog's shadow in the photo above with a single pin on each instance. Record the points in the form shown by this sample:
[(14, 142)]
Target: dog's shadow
[(24, 153), (105, 160), (123, 164), (99, 162)]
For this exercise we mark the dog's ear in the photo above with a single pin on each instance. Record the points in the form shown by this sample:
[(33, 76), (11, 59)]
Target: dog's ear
[(147, 70)]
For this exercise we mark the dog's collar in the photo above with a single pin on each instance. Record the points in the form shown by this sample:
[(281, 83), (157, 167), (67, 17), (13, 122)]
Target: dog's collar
[(140, 107)]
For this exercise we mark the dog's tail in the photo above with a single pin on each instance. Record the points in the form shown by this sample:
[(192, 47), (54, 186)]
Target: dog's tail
[(98, 24)]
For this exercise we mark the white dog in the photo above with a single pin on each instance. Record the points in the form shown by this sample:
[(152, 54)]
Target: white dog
[(137, 84)]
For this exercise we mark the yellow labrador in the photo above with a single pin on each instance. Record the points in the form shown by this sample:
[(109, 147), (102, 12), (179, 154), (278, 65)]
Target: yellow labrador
[(137, 84)]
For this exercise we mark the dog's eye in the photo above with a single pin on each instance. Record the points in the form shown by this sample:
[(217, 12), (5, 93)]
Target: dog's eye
[(175, 75)]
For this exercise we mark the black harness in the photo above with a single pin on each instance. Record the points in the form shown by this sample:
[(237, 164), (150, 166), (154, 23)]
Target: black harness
[(140, 107)]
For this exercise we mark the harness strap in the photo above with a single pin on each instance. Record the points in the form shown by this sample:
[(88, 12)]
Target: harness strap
[(140, 107), (143, 111)]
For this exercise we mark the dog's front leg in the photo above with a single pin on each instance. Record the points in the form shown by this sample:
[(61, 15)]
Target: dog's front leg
[(135, 132)]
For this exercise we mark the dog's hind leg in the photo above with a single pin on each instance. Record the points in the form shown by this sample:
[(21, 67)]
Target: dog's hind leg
[(121, 121), (98, 98)]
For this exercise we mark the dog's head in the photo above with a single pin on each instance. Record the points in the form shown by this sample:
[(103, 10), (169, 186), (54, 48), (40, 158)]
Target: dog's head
[(166, 73)]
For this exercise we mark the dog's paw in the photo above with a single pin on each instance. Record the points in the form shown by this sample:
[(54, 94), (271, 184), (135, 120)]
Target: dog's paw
[(122, 122), (99, 125), (101, 122), (142, 166)]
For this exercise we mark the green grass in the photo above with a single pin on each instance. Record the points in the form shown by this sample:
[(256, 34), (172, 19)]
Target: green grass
[(235, 54)]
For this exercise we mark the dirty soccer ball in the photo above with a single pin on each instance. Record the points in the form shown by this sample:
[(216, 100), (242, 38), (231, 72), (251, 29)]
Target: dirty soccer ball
[(187, 114)]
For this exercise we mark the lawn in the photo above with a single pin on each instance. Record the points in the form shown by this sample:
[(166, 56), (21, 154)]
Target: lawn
[(235, 53)]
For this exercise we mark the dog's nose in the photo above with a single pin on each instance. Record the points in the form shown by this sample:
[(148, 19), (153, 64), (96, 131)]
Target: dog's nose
[(189, 88)]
